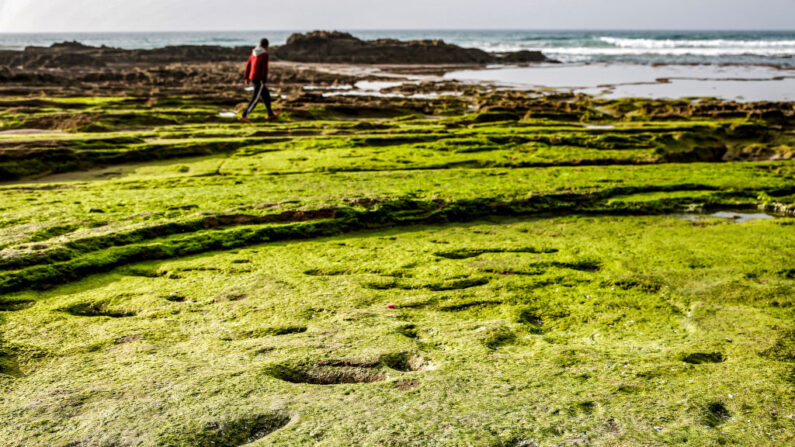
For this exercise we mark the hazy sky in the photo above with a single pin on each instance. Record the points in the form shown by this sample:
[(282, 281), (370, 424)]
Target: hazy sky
[(199, 15)]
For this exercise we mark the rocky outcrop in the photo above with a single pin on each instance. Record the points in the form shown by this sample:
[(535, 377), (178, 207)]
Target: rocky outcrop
[(69, 55), (337, 47), (320, 46)]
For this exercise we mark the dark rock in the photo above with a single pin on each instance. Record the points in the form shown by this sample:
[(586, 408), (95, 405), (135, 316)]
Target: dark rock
[(67, 60), (73, 45), (523, 57), (494, 117), (337, 47)]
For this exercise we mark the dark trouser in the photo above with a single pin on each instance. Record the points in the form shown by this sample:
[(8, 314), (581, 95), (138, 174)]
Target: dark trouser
[(260, 92)]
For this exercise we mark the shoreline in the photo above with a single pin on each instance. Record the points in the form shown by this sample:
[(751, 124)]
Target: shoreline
[(728, 82), (321, 78), (658, 77), (308, 71), (337, 58)]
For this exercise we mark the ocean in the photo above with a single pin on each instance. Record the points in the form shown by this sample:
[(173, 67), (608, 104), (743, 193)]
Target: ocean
[(627, 47)]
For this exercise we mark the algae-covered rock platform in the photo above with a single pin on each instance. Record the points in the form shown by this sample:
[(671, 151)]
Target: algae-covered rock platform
[(489, 268)]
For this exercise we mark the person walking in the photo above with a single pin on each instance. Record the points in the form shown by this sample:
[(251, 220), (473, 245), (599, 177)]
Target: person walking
[(257, 74)]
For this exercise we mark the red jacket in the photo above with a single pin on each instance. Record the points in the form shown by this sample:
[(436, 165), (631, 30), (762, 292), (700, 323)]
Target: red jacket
[(257, 67)]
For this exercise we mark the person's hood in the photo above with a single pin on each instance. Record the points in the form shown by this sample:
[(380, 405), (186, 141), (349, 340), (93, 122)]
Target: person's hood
[(259, 51)]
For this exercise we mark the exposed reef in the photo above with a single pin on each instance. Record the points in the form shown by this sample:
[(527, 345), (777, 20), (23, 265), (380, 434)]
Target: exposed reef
[(337, 47), (316, 47)]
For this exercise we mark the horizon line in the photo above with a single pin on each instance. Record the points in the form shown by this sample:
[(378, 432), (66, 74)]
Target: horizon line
[(792, 30)]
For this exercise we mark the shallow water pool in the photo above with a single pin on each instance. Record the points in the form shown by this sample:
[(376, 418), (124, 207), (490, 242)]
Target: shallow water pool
[(731, 215)]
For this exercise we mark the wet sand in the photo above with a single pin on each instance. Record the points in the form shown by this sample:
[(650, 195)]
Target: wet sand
[(737, 82)]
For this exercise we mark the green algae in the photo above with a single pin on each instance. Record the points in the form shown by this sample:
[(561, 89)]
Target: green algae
[(476, 141), (73, 259), (562, 351), (498, 278)]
